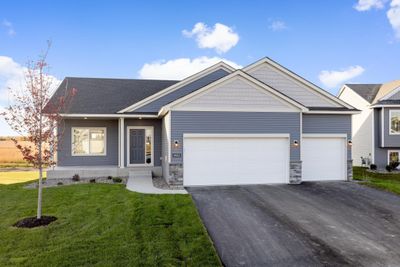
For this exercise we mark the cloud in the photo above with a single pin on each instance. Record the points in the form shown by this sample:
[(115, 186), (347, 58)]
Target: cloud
[(10, 29), (393, 14), (365, 5), (221, 37), (333, 78), (277, 25), (177, 69)]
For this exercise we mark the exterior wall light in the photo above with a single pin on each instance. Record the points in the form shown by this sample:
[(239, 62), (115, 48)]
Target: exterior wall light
[(176, 143), (350, 143), (296, 143)]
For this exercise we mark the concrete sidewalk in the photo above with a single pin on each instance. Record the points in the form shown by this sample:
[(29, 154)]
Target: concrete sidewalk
[(145, 185)]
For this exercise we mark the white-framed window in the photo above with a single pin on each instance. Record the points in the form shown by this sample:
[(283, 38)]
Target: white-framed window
[(393, 156), (394, 122), (89, 141)]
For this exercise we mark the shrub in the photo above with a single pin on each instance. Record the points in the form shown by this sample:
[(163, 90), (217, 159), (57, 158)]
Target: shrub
[(117, 180), (109, 177), (76, 178), (389, 168), (92, 181), (394, 165), (373, 167), (60, 183)]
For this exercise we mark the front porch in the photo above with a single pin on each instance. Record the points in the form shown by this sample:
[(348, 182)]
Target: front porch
[(59, 172)]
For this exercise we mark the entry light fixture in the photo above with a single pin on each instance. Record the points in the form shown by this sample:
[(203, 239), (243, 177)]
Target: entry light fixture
[(176, 143), (295, 143), (85, 118), (350, 143)]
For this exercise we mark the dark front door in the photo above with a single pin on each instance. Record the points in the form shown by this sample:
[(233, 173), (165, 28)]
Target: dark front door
[(137, 146)]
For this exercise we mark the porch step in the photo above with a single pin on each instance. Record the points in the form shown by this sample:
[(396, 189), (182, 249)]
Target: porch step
[(141, 174)]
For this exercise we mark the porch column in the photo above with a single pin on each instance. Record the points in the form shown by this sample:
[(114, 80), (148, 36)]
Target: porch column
[(121, 130)]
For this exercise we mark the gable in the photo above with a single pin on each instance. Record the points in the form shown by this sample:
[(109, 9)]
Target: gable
[(289, 86), (236, 94), (396, 96)]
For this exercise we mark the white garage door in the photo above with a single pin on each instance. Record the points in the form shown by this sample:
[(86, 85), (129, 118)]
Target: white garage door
[(324, 158), (235, 159)]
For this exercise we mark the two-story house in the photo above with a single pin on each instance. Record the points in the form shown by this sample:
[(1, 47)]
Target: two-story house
[(376, 130)]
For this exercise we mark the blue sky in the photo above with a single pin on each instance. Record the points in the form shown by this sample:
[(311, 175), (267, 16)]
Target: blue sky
[(352, 41)]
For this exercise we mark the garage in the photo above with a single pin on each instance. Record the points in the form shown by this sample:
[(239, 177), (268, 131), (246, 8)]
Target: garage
[(323, 157), (229, 159)]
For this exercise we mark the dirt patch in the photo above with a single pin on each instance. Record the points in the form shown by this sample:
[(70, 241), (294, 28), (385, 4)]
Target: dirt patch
[(32, 222)]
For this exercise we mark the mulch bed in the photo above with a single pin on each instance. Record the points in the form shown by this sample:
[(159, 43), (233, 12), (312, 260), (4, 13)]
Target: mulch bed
[(32, 222)]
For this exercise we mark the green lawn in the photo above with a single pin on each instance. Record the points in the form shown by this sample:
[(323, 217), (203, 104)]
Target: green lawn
[(12, 177), (103, 225), (389, 182)]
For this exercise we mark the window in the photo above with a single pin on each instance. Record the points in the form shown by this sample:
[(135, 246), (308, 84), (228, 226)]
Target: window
[(394, 120), (394, 156), (88, 141)]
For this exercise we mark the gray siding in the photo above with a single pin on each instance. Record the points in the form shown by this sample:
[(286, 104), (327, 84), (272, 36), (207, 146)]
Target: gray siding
[(156, 123), (390, 140), (328, 124), (234, 122), (64, 155), (185, 90), (381, 153)]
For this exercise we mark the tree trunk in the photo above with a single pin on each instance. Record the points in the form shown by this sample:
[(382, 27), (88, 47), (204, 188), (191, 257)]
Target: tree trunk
[(39, 206)]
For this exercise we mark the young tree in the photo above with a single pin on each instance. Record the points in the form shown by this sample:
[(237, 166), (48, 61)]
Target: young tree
[(32, 115)]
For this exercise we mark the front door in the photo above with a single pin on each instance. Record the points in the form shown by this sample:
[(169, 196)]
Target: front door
[(140, 145)]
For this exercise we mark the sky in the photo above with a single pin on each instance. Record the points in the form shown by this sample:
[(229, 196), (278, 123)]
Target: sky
[(327, 42)]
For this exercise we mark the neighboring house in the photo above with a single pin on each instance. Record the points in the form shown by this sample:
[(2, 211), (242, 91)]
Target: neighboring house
[(376, 130), (260, 124)]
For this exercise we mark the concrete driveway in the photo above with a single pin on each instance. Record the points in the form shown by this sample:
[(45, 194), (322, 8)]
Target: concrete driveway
[(313, 224)]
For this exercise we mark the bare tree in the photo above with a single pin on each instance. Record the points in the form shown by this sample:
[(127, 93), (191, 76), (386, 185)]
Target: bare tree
[(32, 115)]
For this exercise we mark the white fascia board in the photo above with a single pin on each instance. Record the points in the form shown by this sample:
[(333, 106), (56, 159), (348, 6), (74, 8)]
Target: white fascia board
[(297, 78), (170, 89), (333, 112), (244, 75), (108, 116), (385, 106)]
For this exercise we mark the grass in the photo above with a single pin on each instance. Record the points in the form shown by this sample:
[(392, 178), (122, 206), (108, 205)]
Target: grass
[(12, 177), (385, 181), (103, 225)]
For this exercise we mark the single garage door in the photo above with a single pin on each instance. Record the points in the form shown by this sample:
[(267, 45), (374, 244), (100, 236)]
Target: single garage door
[(235, 159), (324, 158)]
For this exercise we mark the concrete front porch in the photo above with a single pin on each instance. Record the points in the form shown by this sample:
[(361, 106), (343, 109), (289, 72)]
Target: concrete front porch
[(97, 171)]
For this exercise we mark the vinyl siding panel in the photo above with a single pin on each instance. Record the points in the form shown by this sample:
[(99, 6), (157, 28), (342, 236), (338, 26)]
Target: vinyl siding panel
[(328, 124), (396, 96), (235, 95), (290, 87), (185, 90), (234, 122), (156, 123), (64, 154)]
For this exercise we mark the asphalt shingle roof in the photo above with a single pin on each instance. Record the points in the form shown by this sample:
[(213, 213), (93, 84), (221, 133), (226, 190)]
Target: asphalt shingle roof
[(107, 96), (366, 91)]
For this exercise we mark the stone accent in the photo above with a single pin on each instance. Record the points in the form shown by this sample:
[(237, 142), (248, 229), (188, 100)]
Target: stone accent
[(175, 174), (295, 172), (349, 170)]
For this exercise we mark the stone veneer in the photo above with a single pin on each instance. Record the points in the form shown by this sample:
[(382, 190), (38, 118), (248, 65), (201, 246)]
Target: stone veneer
[(295, 172), (349, 170), (175, 174)]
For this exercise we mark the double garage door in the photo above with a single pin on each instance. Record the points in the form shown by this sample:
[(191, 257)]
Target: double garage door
[(257, 159)]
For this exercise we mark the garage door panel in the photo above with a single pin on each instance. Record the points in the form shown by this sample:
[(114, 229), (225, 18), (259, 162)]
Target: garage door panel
[(323, 159), (220, 161)]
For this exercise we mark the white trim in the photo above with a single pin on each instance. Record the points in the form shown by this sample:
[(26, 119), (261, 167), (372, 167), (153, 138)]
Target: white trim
[(297, 78), (119, 143), (301, 134), (390, 121), (244, 75), (383, 127), (325, 136), (344, 87), (332, 112), (121, 132), (116, 116), (195, 135), (151, 128), (170, 89), (388, 155), (385, 106), (391, 93), (89, 128), (373, 138)]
